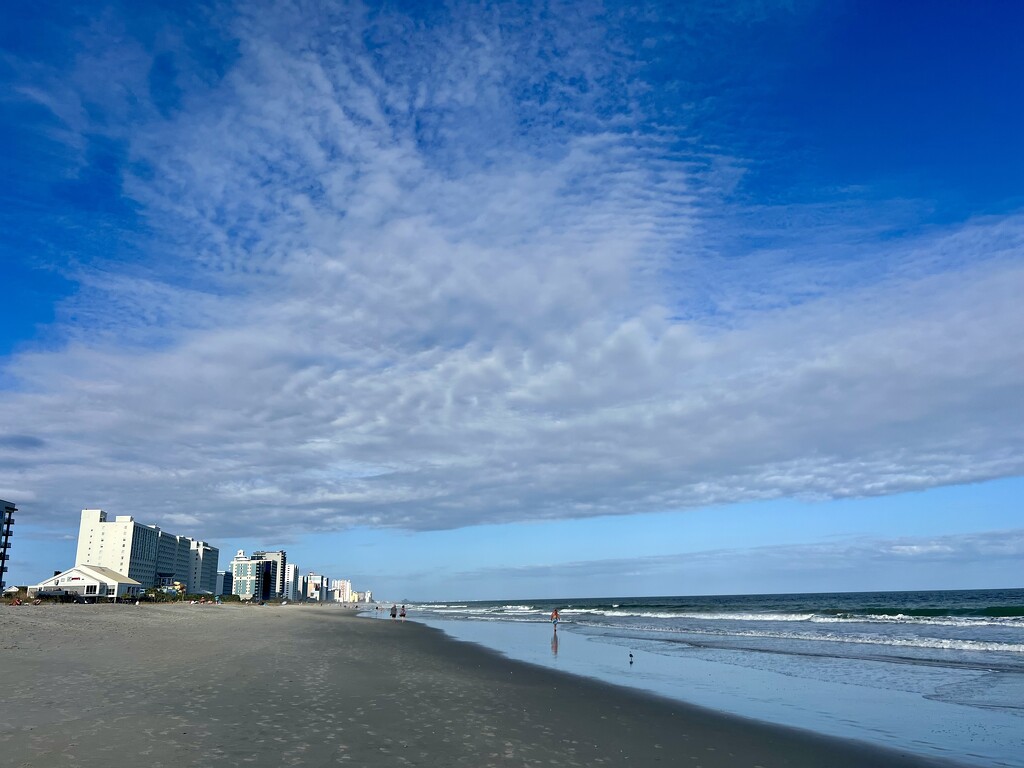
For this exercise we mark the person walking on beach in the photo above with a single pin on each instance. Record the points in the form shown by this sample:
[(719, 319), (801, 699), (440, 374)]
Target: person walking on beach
[(394, 611), (402, 614), (554, 618)]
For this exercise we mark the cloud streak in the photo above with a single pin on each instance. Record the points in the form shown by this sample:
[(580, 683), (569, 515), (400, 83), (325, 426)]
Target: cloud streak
[(428, 273), (838, 556)]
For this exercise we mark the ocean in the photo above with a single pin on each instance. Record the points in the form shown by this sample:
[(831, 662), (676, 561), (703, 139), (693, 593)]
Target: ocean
[(935, 673)]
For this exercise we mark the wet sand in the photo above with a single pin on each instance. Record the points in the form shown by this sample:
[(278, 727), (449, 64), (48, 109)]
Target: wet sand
[(178, 685)]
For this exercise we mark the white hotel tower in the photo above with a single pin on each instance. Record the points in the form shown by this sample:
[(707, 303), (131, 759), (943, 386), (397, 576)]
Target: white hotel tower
[(145, 553)]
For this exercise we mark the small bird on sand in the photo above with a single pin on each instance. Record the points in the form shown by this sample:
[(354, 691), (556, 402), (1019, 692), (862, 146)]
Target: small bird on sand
[(631, 658)]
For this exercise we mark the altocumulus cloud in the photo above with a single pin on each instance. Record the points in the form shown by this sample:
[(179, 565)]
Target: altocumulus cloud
[(428, 273)]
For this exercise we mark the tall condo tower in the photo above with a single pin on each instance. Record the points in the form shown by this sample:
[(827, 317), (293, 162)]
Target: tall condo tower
[(152, 557), (292, 578), (121, 545), (254, 578), (7, 511), (280, 560)]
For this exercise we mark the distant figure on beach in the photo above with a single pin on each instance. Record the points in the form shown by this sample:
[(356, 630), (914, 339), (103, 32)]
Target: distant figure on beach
[(554, 618), (402, 614), (394, 611)]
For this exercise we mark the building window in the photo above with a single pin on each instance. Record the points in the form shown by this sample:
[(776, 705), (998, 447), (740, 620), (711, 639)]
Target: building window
[(90, 589)]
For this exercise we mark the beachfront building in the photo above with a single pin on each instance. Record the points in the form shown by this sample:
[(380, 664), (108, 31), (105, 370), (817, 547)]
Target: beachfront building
[(120, 545), (292, 582), (144, 553), (89, 581), (7, 510), (341, 590), (316, 587), (224, 583), (280, 560), (253, 578), (246, 576), (203, 560), (172, 560)]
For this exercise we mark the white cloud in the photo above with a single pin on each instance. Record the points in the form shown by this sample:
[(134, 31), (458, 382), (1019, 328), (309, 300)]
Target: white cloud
[(395, 293), (914, 550)]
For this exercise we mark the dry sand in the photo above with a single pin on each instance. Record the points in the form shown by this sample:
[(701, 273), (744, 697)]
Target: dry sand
[(179, 685)]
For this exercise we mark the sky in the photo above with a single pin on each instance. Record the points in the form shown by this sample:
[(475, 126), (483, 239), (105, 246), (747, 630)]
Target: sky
[(485, 300)]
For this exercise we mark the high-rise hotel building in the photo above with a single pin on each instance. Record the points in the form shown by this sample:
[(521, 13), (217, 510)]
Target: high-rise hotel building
[(280, 559), (316, 587), (7, 511), (292, 582), (121, 544), (256, 577), (152, 557), (203, 564)]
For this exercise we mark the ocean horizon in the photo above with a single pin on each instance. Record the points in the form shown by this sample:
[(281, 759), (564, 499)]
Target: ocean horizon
[(937, 673)]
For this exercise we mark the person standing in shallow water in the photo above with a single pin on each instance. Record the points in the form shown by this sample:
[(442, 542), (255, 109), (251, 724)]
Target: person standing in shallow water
[(554, 619), (394, 611), (402, 614)]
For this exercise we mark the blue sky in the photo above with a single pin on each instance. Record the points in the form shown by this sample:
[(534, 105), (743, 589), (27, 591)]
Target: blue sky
[(487, 300)]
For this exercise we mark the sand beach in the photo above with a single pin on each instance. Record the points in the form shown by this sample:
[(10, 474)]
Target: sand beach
[(167, 686)]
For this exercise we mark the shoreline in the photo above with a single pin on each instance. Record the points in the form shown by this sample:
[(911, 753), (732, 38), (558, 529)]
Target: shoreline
[(904, 720), (203, 685)]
